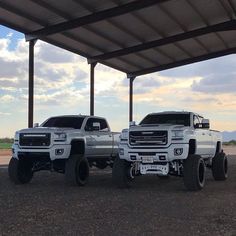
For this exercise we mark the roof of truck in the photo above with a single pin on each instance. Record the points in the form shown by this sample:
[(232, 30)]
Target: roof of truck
[(175, 112), (83, 116), (69, 116)]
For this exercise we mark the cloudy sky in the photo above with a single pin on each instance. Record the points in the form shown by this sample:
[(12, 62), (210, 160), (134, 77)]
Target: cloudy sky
[(62, 87)]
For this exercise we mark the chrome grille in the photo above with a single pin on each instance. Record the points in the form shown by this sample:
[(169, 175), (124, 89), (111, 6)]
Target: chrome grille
[(148, 138), (37, 139)]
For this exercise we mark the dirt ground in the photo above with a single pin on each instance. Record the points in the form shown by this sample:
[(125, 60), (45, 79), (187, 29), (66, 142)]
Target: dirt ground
[(5, 152), (5, 156), (152, 206)]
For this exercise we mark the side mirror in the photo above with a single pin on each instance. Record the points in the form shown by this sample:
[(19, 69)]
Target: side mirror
[(205, 124), (198, 126), (96, 126), (132, 123), (36, 125)]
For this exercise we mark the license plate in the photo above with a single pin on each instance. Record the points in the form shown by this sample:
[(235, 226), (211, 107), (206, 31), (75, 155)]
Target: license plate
[(154, 169), (147, 159)]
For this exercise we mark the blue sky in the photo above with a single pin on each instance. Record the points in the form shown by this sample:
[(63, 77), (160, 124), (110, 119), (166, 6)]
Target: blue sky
[(6, 33), (62, 87)]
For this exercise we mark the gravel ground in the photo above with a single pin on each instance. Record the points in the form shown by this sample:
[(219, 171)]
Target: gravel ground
[(152, 206)]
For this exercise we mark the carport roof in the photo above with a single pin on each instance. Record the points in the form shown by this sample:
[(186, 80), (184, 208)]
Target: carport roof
[(136, 37)]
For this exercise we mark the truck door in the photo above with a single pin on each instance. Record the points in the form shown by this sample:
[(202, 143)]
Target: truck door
[(91, 138), (98, 137), (214, 140), (106, 139), (203, 138)]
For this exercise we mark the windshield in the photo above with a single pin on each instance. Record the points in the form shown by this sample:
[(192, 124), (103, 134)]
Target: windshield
[(64, 122), (176, 119)]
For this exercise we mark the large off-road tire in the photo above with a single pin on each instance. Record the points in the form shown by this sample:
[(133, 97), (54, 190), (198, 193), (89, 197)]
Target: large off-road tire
[(120, 173), (194, 173), (77, 170), (220, 166), (20, 171)]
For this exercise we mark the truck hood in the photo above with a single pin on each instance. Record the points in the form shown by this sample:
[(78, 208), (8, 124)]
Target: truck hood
[(157, 127), (46, 130)]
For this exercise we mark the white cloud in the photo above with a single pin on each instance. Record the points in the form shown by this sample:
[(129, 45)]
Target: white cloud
[(51, 54), (4, 114), (9, 89), (10, 34), (216, 84), (6, 99), (4, 44)]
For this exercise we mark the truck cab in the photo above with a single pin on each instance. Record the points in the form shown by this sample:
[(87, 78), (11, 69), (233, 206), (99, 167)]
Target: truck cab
[(163, 142), (61, 143)]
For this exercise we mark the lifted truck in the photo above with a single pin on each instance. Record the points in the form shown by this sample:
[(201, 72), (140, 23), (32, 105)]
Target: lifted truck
[(170, 143), (65, 144)]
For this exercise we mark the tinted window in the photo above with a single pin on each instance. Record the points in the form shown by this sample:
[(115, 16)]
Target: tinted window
[(103, 124), (64, 122), (91, 121), (176, 119), (89, 124)]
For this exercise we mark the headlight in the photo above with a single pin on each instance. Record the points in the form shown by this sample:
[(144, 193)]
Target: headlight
[(60, 136), (124, 135), (16, 138), (177, 134)]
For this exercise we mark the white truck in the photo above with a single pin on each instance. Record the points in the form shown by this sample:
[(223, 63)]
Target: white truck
[(170, 143), (65, 144)]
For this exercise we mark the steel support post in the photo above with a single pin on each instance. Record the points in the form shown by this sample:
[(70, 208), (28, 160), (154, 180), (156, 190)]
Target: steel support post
[(31, 84), (131, 80), (92, 67)]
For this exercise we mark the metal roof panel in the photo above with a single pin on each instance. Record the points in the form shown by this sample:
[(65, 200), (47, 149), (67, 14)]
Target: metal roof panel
[(102, 32)]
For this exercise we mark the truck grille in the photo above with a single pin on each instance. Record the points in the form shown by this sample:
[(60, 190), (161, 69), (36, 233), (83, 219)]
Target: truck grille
[(148, 138), (39, 139)]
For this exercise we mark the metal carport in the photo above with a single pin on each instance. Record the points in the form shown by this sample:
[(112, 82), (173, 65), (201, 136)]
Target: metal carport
[(136, 37)]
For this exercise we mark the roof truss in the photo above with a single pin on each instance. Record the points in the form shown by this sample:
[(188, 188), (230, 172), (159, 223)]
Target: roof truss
[(229, 25), (183, 62), (92, 18), (36, 26)]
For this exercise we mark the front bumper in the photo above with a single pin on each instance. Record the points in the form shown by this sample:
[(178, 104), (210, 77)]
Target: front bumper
[(58, 151), (147, 155)]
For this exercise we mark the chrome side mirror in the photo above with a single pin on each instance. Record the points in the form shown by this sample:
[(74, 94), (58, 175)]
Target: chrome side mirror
[(132, 123), (205, 124), (36, 125)]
